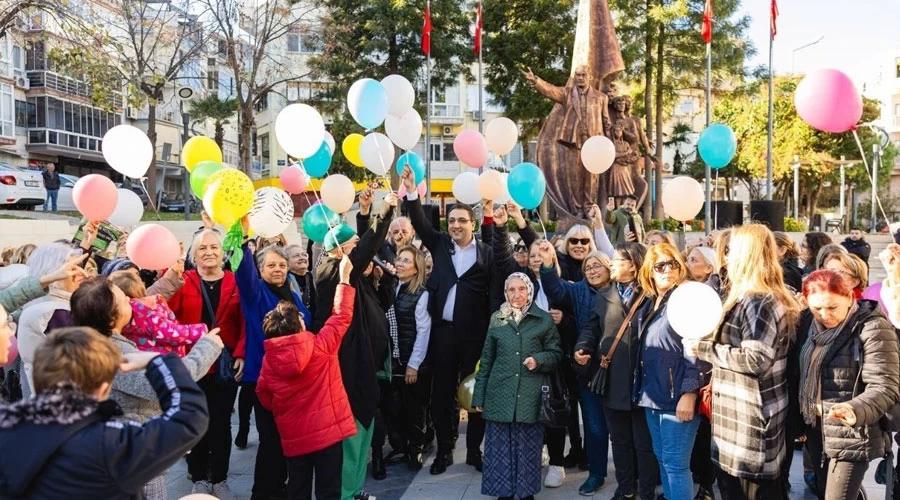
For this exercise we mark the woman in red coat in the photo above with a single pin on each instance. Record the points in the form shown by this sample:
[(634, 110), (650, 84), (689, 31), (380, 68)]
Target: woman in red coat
[(210, 296), (300, 382)]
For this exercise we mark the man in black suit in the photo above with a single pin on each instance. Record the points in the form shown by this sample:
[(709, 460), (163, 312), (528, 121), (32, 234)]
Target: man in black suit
[(459, 305)]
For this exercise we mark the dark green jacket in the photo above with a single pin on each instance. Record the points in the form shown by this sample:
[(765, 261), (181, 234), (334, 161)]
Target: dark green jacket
[(507, 390)]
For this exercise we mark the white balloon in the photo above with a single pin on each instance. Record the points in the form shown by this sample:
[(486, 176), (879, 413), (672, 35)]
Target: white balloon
[(501, 135), (330, 140), (491, 184), (272, 212), (694, 310), (198, 496), (404, 131), (598, 154), (129, 209), (465, 188), (300, 130), (377, 153), (505, 197), (338, 193), (401, 95), (127, 150), (682, 198)]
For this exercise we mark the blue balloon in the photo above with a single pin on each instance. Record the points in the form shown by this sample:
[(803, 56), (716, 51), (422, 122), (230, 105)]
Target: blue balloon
[(367, 101), (717, 145), (526, 184), (415, 162), (318, 220), (318, 164)]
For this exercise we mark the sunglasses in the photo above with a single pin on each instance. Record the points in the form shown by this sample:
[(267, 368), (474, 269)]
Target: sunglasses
[(521, 248), (672, 265), (580, 241)]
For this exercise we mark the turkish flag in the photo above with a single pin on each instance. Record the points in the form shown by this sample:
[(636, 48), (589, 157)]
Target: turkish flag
[(426, 32), (706, 29), (478, 28), (773, 28)]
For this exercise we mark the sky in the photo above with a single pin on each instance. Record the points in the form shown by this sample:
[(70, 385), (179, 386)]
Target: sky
[(857, 34)]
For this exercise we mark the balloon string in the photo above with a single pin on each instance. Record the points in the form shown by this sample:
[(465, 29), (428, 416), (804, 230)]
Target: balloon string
[(150, 199), (716, 211), (384, 167), (862, 153), (543, 229)]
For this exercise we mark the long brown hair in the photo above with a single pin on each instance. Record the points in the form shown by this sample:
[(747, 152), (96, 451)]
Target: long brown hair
[(418, 281)]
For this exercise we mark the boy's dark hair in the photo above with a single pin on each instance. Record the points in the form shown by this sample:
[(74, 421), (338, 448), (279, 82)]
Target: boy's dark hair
[(462, 206), (93, 304), (283, 320), (78, 355)]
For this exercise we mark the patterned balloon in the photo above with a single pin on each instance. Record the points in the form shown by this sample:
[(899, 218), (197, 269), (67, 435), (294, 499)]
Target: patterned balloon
[(228, 196), (272, 212)]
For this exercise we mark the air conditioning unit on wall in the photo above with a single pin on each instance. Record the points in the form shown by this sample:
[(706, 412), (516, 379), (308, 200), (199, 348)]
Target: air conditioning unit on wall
[(23, 82), (448, 130)]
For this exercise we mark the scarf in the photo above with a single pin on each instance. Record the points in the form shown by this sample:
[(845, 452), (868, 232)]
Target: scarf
[(517, 313), (812, 355), (283, 292), (626, 291)]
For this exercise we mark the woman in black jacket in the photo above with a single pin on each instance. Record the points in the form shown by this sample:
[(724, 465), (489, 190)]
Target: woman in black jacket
[(849, 379)]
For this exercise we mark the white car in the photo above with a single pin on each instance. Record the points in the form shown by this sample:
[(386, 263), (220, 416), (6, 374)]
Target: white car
[(21, 189), (64, 197)]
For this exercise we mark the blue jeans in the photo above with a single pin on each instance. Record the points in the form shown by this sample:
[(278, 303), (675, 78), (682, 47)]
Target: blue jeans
[(673, 441), (51, 199), (596, 435)]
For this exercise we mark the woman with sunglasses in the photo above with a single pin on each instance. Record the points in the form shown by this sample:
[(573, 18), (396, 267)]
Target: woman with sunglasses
[(667, 379)]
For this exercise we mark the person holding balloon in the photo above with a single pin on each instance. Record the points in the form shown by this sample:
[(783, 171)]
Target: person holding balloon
[(262, 283), (367, 336), (460, 310), (749, 355)]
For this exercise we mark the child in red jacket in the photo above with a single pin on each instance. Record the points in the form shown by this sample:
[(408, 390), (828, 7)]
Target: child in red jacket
[(300, 382)]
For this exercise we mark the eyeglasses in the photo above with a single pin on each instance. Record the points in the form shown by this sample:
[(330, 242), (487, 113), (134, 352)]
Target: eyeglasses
[(458, 221), (594, 268), (580, 241), (521, 248), (661, 267)]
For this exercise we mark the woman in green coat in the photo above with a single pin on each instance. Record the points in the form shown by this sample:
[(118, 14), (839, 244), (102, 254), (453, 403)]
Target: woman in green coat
[(521, 346)]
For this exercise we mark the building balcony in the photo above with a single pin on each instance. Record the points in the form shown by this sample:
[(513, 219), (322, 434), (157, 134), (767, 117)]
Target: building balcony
[(447, 114), (65, 85), (51, 141)]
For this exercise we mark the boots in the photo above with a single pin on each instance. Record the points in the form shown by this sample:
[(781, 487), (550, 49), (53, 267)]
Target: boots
[(378, 470)]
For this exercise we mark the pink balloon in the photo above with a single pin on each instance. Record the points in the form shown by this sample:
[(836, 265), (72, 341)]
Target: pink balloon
[(827, 100), (293, 179), (422, 189), (471, 148), (95, 196), (153, 247), (401, 191), (13, 352)]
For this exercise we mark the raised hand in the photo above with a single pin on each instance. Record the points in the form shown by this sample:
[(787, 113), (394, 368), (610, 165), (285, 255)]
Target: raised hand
[(500, 216), (547, 252), (71, 269), (596, 216), (515, 212), (408, 178), (392, 199), (529, 75), (346, 267), (365, 201)]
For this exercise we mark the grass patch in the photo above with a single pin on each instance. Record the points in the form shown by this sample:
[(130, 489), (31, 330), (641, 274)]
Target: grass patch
[(149, 216)]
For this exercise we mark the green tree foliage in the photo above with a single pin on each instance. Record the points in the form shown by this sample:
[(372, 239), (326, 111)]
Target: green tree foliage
[(219, 111)]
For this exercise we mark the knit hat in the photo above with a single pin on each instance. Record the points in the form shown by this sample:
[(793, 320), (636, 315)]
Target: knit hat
[(709, 255), (337, 236), (117, 265)]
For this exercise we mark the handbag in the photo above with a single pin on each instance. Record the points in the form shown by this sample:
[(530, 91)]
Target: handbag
[(555, 401), (225, 371), (600, 380), (705, 407)]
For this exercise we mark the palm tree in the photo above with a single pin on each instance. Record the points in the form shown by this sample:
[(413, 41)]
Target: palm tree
[(215, 109), (679, 135)]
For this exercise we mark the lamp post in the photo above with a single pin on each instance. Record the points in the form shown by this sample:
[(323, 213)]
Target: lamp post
[(794, 52)]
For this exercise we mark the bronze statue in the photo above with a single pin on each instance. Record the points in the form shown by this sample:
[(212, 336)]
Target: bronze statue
[(633, 132), (581, 111), (621, 182)]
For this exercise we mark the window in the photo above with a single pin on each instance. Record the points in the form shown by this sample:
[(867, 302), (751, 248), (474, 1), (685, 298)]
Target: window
[(293, 42), (5, 57), (212, 81), (264, 151), (24, 110), (18, 60), (7, 111), (262, 103), (311, 42), (448, 153)]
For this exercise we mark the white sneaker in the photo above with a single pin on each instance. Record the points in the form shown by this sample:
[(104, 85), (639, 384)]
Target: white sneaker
[(555, 477), (545, 457), (222, 491), (201, 487)]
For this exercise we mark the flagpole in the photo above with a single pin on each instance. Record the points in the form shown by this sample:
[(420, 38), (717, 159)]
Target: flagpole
[(428, 113), (770, 119), (480, 71), (708, 211)]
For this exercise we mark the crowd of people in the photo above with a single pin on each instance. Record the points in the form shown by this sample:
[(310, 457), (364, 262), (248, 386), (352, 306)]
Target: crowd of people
[(356, 346)]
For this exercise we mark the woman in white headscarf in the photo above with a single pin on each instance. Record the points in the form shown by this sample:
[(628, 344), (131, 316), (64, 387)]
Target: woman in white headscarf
[(522, 345)]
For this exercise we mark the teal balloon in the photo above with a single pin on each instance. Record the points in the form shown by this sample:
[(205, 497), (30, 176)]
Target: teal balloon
[(415, 162), (526, 185), (318, 220), (717, 145), (318, 164), (201, 173)]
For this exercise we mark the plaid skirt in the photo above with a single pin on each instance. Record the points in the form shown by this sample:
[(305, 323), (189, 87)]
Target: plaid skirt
[(512, 459)]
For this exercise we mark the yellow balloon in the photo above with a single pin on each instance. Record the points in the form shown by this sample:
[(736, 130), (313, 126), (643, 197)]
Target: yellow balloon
[(228, 196), (466, 390), (199, 149), (350, 147)]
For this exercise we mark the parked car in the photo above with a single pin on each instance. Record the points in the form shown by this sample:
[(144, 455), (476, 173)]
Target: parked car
[(21, 189), (174, 202)]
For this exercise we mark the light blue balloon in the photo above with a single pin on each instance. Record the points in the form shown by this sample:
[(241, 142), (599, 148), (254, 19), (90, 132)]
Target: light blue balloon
[(368, 103), (318, 164), (318, 220), (415, 162), (526, 184), (717, 145)]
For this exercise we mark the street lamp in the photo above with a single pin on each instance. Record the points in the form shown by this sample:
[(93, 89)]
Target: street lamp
[(794, 52)]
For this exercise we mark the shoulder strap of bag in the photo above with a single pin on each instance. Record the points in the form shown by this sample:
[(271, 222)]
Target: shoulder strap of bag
[(207, 303), (607, 358)]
